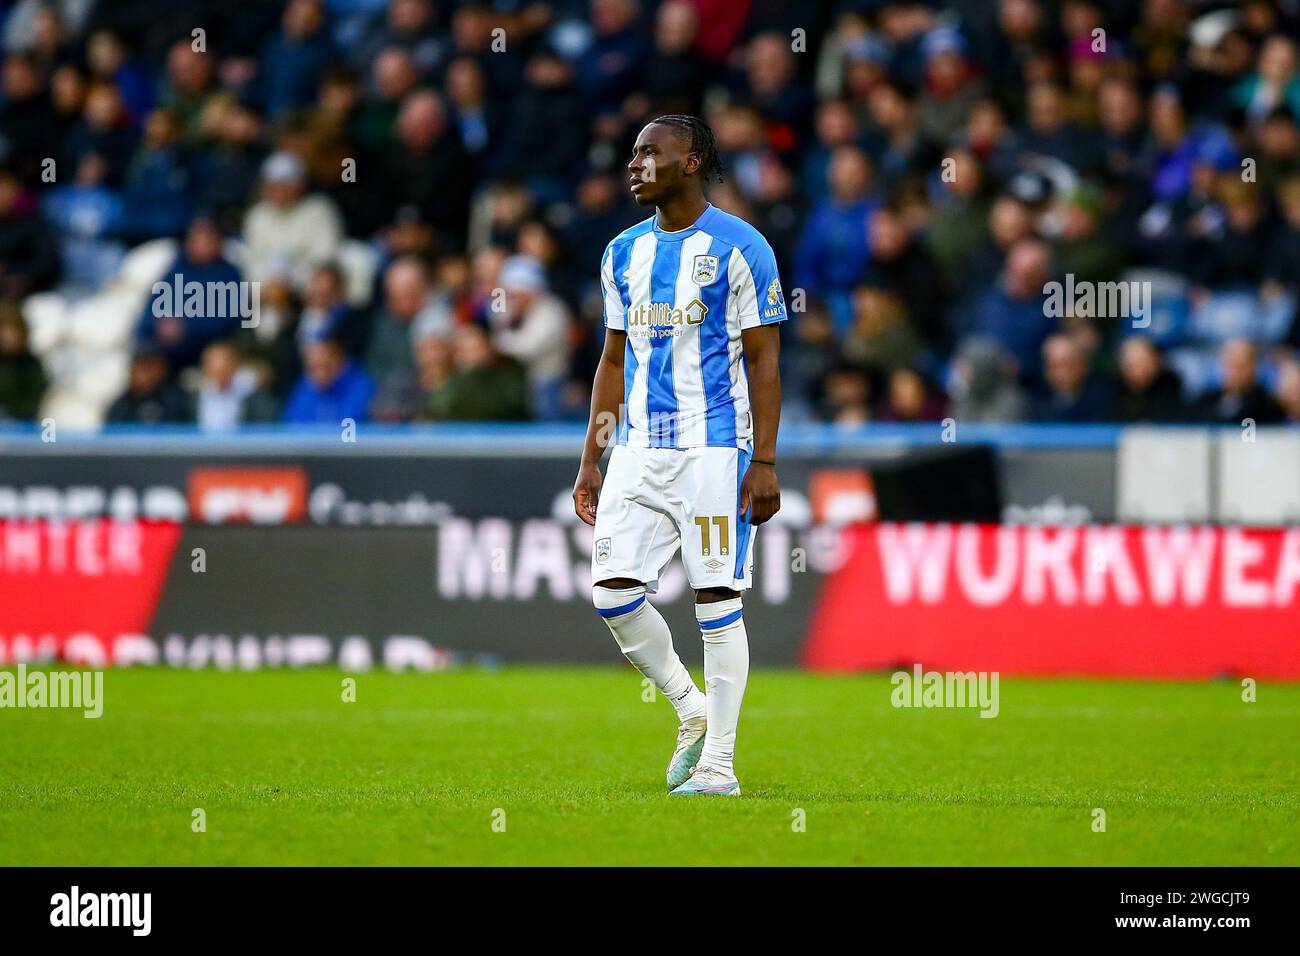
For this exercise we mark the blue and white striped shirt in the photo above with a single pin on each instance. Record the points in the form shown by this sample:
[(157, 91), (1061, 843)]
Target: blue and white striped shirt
[(683, 298)]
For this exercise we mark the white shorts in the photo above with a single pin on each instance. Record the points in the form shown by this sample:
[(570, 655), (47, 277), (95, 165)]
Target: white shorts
[(655, 499)]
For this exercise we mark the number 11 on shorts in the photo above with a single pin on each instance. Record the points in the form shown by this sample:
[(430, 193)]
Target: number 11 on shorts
[(723, 524)]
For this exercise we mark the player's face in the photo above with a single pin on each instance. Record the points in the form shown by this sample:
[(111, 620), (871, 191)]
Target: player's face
[(660, 162)]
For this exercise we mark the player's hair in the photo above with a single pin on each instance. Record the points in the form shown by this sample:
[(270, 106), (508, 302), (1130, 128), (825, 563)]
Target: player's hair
[(701, 137)]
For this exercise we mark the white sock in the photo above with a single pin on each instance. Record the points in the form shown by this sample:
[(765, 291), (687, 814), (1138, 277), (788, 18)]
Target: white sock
[(726, 666), (643, 635)]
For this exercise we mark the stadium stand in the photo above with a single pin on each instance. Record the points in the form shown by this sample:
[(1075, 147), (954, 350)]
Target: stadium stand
[(381, 171)]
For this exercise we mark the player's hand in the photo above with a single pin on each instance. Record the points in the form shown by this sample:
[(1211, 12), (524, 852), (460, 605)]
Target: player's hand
[(586, 492), (760, 491)]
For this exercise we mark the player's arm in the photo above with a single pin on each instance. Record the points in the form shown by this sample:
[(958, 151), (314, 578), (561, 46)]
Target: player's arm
[(606, 396), (760, 488)]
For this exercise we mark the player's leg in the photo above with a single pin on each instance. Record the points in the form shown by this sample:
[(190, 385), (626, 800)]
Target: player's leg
[(717, 557), (643, 636), (633, 543)]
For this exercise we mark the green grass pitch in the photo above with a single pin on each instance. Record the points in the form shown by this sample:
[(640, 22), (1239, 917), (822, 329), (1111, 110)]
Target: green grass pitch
[(415, 770)]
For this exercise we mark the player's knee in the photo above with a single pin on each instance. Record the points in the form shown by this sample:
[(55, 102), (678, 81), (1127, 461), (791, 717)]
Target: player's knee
[(613, 599), (717, 619)]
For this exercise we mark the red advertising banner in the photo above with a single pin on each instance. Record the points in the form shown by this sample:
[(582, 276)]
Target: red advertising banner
[(1094, 600), (65, 585)]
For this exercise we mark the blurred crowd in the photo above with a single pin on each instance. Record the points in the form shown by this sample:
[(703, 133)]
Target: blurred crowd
[(422, 189)]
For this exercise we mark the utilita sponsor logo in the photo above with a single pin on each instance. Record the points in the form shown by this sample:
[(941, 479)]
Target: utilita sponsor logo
[(75, 908)]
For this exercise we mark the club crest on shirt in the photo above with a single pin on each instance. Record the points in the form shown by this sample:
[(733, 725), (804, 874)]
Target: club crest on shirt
[(602, 550), (705, 271)]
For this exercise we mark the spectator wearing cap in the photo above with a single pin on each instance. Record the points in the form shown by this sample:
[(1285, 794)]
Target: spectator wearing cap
[(288, 232), (533, 328), (332, 390), (866, 60), (951, 86)]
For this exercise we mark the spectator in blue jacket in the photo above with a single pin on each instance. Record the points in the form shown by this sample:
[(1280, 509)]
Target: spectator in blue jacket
[(158, 198), (179, 323), (1010, 311), (333, 388), (295, 58), (833, 248)]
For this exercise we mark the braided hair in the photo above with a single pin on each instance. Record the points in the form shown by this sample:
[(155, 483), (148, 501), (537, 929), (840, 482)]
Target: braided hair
[(701, 137)]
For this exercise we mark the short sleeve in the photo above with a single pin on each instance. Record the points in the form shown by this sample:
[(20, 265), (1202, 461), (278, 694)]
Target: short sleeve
[(758, 288), (615, 313)]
